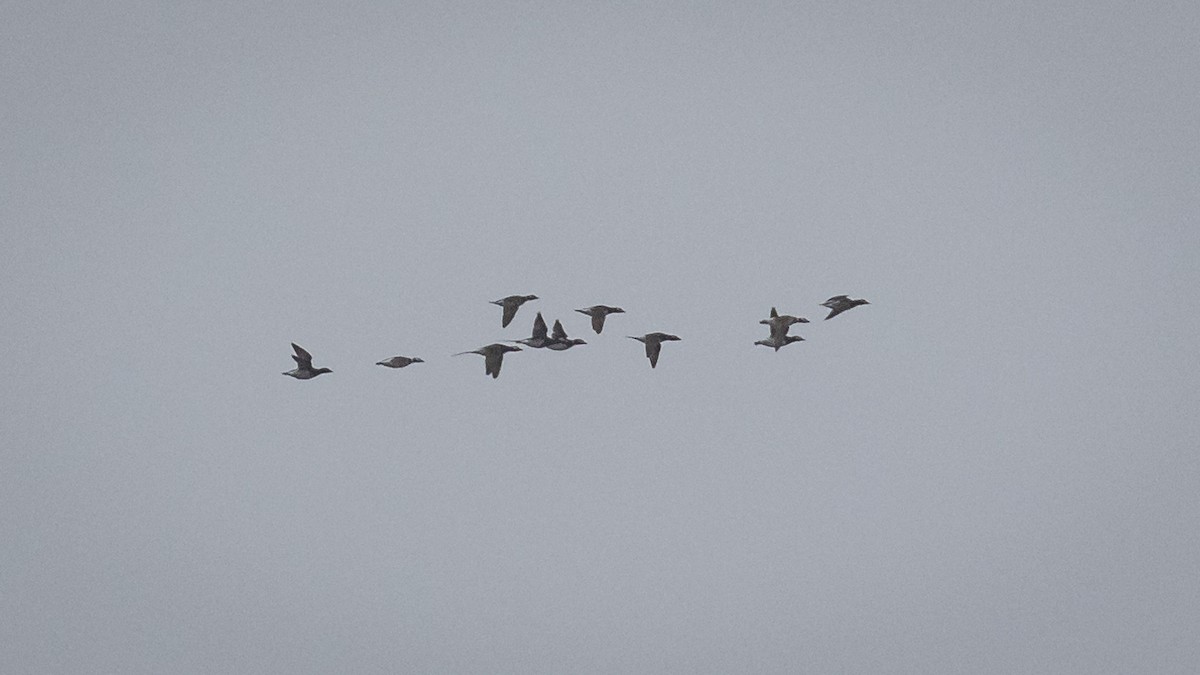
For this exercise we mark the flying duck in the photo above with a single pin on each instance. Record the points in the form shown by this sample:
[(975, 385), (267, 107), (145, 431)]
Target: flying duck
[(840, 303), (780, 323), (493, 357), (779, 340), (399, 361), (653, 342), (538, 338), (598, 312), (510, 305), (304, 369), (559, 340)]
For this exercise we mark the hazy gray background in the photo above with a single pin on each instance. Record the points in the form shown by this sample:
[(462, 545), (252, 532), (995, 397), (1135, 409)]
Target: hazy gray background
[(992, 468)]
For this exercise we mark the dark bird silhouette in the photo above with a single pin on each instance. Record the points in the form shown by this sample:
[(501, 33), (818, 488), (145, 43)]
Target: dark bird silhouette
[(493, 357), (780, 323), (559, 340), (399, 361), (779, 341), (304, 368), (598, 313), (653, 342), (511, 304), (840, 303), (539, 337)]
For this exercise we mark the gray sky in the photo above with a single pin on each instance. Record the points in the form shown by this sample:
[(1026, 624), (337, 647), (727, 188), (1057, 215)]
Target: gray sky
[(992, 468)]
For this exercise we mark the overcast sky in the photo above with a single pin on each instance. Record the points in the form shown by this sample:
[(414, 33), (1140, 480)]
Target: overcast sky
[(991, 468)]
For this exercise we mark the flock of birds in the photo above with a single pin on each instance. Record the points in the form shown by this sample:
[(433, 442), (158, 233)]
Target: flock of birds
[(557, 339)]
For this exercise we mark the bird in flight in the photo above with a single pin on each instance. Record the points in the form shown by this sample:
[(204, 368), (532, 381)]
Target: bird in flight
[(598, 313), (780, 323), (493, 357), (653, 342), (399, 361), (511, 304), (559, 340), (539, 337), (779, 340), (304, 368), (840, 303)]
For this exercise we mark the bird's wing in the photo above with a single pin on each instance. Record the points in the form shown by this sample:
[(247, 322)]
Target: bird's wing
[(598, 322), (835, 299), (510, 310), (539, 327), (492, 363), (652, 350), (774, 314), (559, 333), (779, 330), (302, 356), (834, 311)]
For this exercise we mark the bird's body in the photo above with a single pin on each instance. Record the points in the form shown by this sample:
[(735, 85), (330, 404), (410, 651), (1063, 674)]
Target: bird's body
[(780, 323), (840, 303), (653, 342), (598, 313), (559, 340), (539, 337), (399, 361), (779, 341), (511, 304), (493, 357), (304, 368)]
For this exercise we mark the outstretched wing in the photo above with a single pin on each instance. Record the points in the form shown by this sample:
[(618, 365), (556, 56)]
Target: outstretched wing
[(598, 322), (539, 327), (653, 347), (559, 333), (302, 356), (491, 363), (510, 310)]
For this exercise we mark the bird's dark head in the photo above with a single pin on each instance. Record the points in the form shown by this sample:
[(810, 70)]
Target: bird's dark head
[(864, 302), (530, 297), (318, 371), (615, 310), (672, 337), (417, 359)]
